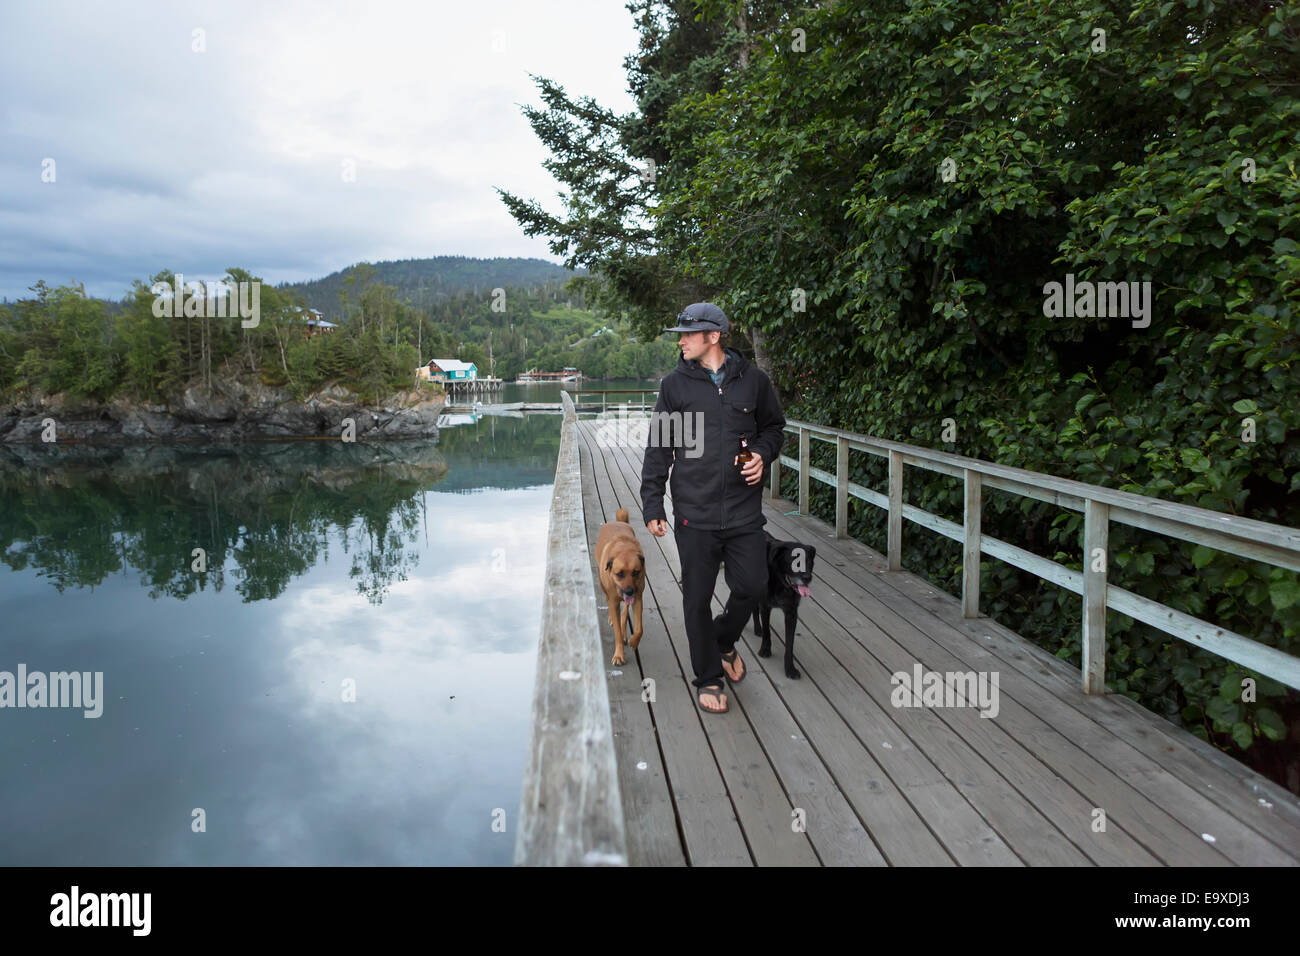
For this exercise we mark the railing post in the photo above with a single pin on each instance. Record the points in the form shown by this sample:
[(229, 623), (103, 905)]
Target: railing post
[(1096, 533), (894, 545), (970, 557), (841, 486), (774, 489), (805, 459)]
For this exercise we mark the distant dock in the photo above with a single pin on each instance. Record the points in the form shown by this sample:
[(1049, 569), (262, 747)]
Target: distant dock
[(509, 409), (473, 386)]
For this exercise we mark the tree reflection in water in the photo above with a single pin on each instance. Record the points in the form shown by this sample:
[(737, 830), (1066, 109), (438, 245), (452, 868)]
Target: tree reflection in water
[(262, 512)]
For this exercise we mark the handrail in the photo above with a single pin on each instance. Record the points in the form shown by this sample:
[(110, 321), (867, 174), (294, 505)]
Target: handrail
[(571, 811), (605, 407), (1277, 545)]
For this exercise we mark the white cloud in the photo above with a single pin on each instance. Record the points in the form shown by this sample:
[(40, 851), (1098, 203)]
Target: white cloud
[(169, 158)]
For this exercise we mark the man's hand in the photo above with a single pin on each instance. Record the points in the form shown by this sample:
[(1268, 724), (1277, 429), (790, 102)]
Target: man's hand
[(752, 472), (658, 527)]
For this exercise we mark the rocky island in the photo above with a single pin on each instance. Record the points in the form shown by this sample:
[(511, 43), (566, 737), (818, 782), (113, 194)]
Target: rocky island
[(232, 410)]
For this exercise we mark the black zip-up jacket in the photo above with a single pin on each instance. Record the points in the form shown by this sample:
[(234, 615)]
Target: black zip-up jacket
[(708, 491)]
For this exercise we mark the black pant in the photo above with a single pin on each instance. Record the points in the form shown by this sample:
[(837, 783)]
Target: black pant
[(745, 552)]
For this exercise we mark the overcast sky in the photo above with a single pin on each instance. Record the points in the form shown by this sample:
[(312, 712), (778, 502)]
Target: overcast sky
[(235, 156)]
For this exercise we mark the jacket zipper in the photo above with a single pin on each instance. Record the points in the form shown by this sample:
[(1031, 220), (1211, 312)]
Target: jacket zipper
[(722, 433)]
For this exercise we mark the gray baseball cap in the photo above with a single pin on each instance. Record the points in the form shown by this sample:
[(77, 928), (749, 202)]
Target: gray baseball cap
[(701, 317)]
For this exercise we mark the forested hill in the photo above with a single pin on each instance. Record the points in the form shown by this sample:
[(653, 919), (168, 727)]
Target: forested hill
[(425, 282)]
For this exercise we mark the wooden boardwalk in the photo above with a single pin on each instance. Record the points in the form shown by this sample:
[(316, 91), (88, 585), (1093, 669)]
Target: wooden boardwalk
[(875, 784)]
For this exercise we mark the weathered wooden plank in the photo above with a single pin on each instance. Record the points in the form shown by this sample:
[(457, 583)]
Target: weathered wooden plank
[(837, 835), (902, 834), (762, 806), (648, 813), (1253, 550), (916, 816), (1243, 529), (895, 532), (1158, 788), (773, 489), (842, 488), (1182, 798), (1024, 804), (805, 463), (1235, 647), (949, 529), (1096, 534), (571, 811), (796, 750), (1255, 801), (1243, 650), (709, 826), (872, 497), (1052, 771), (1057, 574), (970, 559), (1136, 776)]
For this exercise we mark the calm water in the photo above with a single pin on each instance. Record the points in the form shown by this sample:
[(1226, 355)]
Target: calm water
[(410, 572)]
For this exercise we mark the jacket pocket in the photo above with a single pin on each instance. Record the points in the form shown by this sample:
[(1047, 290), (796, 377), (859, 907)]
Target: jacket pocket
[(741, 421)]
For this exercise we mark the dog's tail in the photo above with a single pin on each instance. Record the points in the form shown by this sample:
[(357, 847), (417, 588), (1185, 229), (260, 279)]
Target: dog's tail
[(620, 515)]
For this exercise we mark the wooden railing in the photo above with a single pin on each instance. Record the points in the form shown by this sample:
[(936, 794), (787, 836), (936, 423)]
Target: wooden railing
[(1271, 544), (571, 813), (645, 400)]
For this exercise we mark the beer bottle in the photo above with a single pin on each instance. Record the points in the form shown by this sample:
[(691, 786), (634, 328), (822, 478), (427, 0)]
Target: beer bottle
[(745, 456)]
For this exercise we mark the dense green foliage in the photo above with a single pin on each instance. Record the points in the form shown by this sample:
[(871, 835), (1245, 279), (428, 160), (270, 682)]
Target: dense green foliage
[(65, 343), (538, 328), (606, 354), (59, 341), (1165, 154)]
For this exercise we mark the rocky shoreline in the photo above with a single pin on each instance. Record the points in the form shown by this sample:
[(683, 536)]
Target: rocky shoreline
[(231, 411)]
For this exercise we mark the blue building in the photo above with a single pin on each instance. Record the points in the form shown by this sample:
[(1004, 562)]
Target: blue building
[(451, 370)]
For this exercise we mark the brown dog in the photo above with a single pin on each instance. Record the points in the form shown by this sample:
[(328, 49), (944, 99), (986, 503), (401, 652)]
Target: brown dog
[(622, 577)]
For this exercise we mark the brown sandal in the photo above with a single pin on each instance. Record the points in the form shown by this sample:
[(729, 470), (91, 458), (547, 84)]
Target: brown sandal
[(733, 658), (718, 693)]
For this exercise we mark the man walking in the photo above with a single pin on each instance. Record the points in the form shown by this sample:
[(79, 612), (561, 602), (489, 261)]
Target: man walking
[(717, 497)]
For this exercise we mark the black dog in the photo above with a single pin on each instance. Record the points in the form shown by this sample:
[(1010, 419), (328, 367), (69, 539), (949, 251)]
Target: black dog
[(789, 574)]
